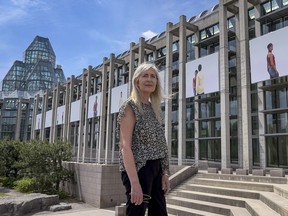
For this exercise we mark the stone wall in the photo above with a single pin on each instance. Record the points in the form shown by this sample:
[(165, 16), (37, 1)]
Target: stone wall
[(96, 184)]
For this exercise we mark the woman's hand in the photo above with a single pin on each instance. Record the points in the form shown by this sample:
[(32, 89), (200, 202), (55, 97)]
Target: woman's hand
[(136, 194), (165, 184)]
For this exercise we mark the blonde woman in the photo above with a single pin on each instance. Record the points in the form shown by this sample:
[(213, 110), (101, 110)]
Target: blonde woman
[(144, 162)]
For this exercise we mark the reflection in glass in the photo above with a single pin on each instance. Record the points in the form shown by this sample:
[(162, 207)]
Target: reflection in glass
[(190, 152), (283, 151), (256, 152), (234, 150), (277, 150)]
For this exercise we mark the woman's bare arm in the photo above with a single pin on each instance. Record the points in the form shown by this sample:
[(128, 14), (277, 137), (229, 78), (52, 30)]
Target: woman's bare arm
[(127, 124)]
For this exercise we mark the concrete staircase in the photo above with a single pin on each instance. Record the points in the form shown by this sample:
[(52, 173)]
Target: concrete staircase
[(229, 194)]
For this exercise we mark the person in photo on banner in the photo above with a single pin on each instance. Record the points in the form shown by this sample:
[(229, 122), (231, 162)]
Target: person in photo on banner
[(194, 82), (200, 81), (271, 62), (143, 152)]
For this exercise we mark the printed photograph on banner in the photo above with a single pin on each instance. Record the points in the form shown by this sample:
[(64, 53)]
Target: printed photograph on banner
[(60, 115), (48, 119), (75, 111), (202, 75), (38, 121), (268, 56), (119, 95), (94, 105)]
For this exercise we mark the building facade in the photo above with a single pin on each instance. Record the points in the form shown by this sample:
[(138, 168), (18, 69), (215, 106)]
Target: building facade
[(237, 119), (25, 79)]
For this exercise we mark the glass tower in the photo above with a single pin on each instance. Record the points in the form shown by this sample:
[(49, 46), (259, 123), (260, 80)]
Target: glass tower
[(37, 71), (24, 80)]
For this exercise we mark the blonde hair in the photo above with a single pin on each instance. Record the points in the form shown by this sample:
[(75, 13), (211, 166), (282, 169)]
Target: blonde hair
[(155, 97)]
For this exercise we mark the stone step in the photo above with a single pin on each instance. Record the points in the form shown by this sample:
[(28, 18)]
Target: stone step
[(233, 184), (220, 199), (281, 190), (276, 202), (248, 178), (230, 195), (222, 191), (207, 206), (256, 207), (183, 211)]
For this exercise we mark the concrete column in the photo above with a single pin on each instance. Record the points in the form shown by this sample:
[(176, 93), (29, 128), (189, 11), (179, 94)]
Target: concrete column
[(182, 90), (168, 86), (82, 118), (196, 131), (196, 48), (239, 101), (75, 132), (102, 112), (27, 117), (155, 54), (92, 138), (94, 86), (109, 115), (114, 122), (131, 67), (261, 120), (55, 100), (87, 93), (34, 116), (2, 107), (68, 101), (52, 116), (44, 110), (224, 86), (141, 50), (257, 24), (18, 119), (245, 86)]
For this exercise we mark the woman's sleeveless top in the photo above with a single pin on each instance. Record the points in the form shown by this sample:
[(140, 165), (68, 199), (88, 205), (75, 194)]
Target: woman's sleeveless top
[(148, 139)]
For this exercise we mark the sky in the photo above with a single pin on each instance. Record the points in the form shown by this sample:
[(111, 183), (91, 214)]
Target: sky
[(83, 32)]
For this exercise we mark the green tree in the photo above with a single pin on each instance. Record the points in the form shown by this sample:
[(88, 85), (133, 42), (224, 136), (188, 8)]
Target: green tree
[(9, 158), (42, 161)]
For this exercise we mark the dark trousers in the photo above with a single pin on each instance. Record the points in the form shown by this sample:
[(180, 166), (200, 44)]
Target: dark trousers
[(150, 177)]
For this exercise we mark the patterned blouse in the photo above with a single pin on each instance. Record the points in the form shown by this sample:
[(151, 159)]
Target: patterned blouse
[(148, 139)]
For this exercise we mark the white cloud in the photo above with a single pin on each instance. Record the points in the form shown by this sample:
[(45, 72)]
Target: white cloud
[(17, 10), (9, 14), (27, 3), (148, 34)]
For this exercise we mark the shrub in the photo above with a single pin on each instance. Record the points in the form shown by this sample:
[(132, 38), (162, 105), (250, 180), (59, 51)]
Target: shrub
[(62, 194), (25, 185), (7, 182)]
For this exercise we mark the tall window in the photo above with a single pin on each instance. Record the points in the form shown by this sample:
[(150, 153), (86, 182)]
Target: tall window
[(251, 23), (277, 150), (190, 47)]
